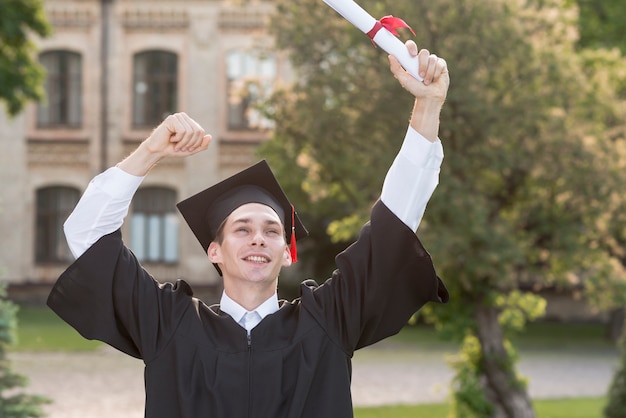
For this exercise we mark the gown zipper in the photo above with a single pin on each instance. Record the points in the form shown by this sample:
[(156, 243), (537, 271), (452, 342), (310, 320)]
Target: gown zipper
[(249, 374)]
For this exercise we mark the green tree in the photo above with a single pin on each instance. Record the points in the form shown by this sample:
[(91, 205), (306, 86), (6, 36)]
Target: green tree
[(13, 405), (602, 24), (602, 31), (527, 180), (21, 76)]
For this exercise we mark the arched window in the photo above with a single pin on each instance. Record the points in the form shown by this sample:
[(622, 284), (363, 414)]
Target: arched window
[(63, 86), (249, 77), (155, 87), (154, 225), (54, 205)]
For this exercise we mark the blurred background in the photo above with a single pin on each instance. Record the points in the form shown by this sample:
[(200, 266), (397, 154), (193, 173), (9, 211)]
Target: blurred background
[(527, 227)]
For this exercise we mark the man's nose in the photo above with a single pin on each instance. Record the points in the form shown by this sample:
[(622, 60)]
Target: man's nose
[(258, 238)]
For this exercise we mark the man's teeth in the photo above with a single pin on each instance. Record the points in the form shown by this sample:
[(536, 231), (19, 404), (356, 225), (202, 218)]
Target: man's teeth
[(257, 259)]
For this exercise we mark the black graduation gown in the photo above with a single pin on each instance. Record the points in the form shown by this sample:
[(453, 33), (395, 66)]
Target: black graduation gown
[(297, 362)]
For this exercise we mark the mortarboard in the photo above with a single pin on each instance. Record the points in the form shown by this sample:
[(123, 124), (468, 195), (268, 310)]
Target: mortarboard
[(205, 211)]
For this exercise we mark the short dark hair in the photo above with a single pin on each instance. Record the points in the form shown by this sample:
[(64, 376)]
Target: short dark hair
[(219, 234)]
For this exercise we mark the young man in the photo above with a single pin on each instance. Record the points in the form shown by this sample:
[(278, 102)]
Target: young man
[(253, 355)]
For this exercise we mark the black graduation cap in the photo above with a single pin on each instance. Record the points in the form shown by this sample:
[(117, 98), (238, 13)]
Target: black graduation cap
[(205, 211)]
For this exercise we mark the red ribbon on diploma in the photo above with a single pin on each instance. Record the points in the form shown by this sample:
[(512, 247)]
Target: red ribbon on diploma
[(391, 24)]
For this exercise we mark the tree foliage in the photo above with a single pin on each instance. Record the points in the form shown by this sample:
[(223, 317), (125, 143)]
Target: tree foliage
[(21, 76), (13, 404), (529, 185), (602, 34), (602, 24)]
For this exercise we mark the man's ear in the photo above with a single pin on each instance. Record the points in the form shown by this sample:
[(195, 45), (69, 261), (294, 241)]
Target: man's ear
[(214, 253), (287, 257)]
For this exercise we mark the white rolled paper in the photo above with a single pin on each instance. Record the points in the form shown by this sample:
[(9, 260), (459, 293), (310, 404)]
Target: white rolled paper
[(355, 14)]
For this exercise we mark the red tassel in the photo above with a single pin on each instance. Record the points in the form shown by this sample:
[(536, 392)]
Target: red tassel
[(292, 245)]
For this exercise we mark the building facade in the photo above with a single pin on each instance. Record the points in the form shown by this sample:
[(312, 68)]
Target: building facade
[(115, 69)]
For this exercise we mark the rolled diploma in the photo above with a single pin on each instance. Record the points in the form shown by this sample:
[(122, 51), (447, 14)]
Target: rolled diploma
[(355, 14)]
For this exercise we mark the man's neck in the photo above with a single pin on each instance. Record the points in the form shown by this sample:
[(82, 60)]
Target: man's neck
[(250, 296)]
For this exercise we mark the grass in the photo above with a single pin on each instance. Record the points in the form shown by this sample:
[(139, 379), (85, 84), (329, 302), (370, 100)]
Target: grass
[(553, 408), (537, 336), (39, 329), (403, 411), (559, 336), (570, 408)]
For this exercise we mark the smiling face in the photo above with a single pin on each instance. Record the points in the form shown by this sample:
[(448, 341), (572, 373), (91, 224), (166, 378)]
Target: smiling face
[(253, 247)]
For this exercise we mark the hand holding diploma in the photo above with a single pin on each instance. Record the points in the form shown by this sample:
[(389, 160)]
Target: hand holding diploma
[(432, 69), (430, 94)]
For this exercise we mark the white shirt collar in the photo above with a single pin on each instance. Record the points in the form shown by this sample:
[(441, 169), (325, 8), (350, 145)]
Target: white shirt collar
[(236, 311)]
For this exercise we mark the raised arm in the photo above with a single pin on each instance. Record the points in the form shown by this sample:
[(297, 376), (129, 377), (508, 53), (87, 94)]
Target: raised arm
[(103, 206), (414, 174)]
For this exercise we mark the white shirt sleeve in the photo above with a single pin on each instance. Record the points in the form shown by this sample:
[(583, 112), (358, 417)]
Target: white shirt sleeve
[(412, 178), (101, 209)]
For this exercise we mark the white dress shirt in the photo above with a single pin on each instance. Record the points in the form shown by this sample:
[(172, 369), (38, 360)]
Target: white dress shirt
[(245, 318), (409, 184)]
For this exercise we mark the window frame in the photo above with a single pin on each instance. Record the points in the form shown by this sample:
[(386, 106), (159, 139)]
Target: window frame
[(63, 86), (53, 205), (153, 207), (149, 105), (244, 71)]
